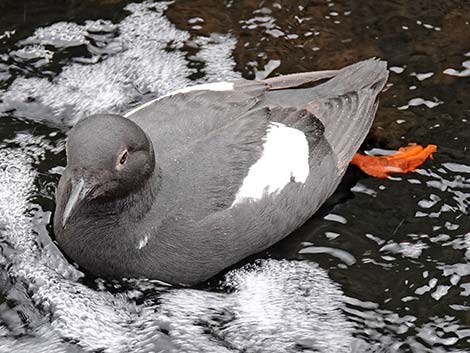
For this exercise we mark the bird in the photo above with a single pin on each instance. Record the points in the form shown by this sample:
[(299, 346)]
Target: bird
[(190, 183)]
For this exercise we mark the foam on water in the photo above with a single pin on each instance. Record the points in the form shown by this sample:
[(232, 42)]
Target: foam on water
[(128, 60), (273, 307), (219, 63)]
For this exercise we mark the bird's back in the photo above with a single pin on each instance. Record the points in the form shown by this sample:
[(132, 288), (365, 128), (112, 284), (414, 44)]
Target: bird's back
[(188, 129)]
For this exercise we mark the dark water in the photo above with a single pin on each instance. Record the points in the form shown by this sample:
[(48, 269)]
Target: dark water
[(386, 263)]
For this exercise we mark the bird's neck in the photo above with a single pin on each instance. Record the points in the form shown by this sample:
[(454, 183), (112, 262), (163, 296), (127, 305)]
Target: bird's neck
[(108, 232)]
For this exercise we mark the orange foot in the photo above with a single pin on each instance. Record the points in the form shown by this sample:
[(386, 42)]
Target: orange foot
[(405, 160)]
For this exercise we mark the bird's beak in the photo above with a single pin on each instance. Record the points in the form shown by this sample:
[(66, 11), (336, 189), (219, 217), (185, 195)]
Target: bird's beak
[(78, 193)]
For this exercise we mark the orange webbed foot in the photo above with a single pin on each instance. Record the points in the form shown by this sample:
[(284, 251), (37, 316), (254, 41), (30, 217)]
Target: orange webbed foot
[(405, 160)]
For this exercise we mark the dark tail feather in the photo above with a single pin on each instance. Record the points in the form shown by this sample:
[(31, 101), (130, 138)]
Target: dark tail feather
[(348, 116), (370, 73), (347, 120)]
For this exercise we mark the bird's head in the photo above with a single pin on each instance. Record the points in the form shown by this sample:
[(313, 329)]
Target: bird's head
[(108, 158)]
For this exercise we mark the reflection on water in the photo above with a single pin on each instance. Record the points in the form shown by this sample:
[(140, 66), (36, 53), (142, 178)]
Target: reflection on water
[(397, 248), (463, 73)]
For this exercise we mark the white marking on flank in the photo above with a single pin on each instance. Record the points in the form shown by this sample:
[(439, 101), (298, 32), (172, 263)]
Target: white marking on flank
[(214, 86), (143, 242), (284, 158)]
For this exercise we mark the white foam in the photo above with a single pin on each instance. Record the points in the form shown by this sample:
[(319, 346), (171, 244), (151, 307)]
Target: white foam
[(59, 34), (285, 158), (220, 65), (130, 62), (273, 307)]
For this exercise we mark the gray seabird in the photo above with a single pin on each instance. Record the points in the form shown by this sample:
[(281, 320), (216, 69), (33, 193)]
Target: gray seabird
[(188, 184)]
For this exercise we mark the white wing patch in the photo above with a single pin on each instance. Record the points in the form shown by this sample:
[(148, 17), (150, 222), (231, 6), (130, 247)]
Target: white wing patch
[(214, 86), (284, 158)]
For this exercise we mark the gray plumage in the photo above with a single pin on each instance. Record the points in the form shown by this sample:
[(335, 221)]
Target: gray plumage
[(166, 212)]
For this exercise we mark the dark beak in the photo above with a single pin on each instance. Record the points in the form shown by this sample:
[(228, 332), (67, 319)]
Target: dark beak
[(78, 193)]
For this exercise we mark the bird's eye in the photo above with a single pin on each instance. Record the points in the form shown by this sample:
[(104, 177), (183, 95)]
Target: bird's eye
[(123, 158)]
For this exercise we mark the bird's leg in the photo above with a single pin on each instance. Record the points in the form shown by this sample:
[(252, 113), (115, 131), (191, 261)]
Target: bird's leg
[(405, 160)]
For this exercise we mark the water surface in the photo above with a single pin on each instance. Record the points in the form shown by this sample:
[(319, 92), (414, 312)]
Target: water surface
[(384, 266)]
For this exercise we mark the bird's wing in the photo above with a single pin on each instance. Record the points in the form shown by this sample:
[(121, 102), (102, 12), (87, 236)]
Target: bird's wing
[(176, 121), (191, 113), (255, 154), (207, 139)]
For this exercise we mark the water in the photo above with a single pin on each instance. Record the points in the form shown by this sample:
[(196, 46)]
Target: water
[(384, 266)]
